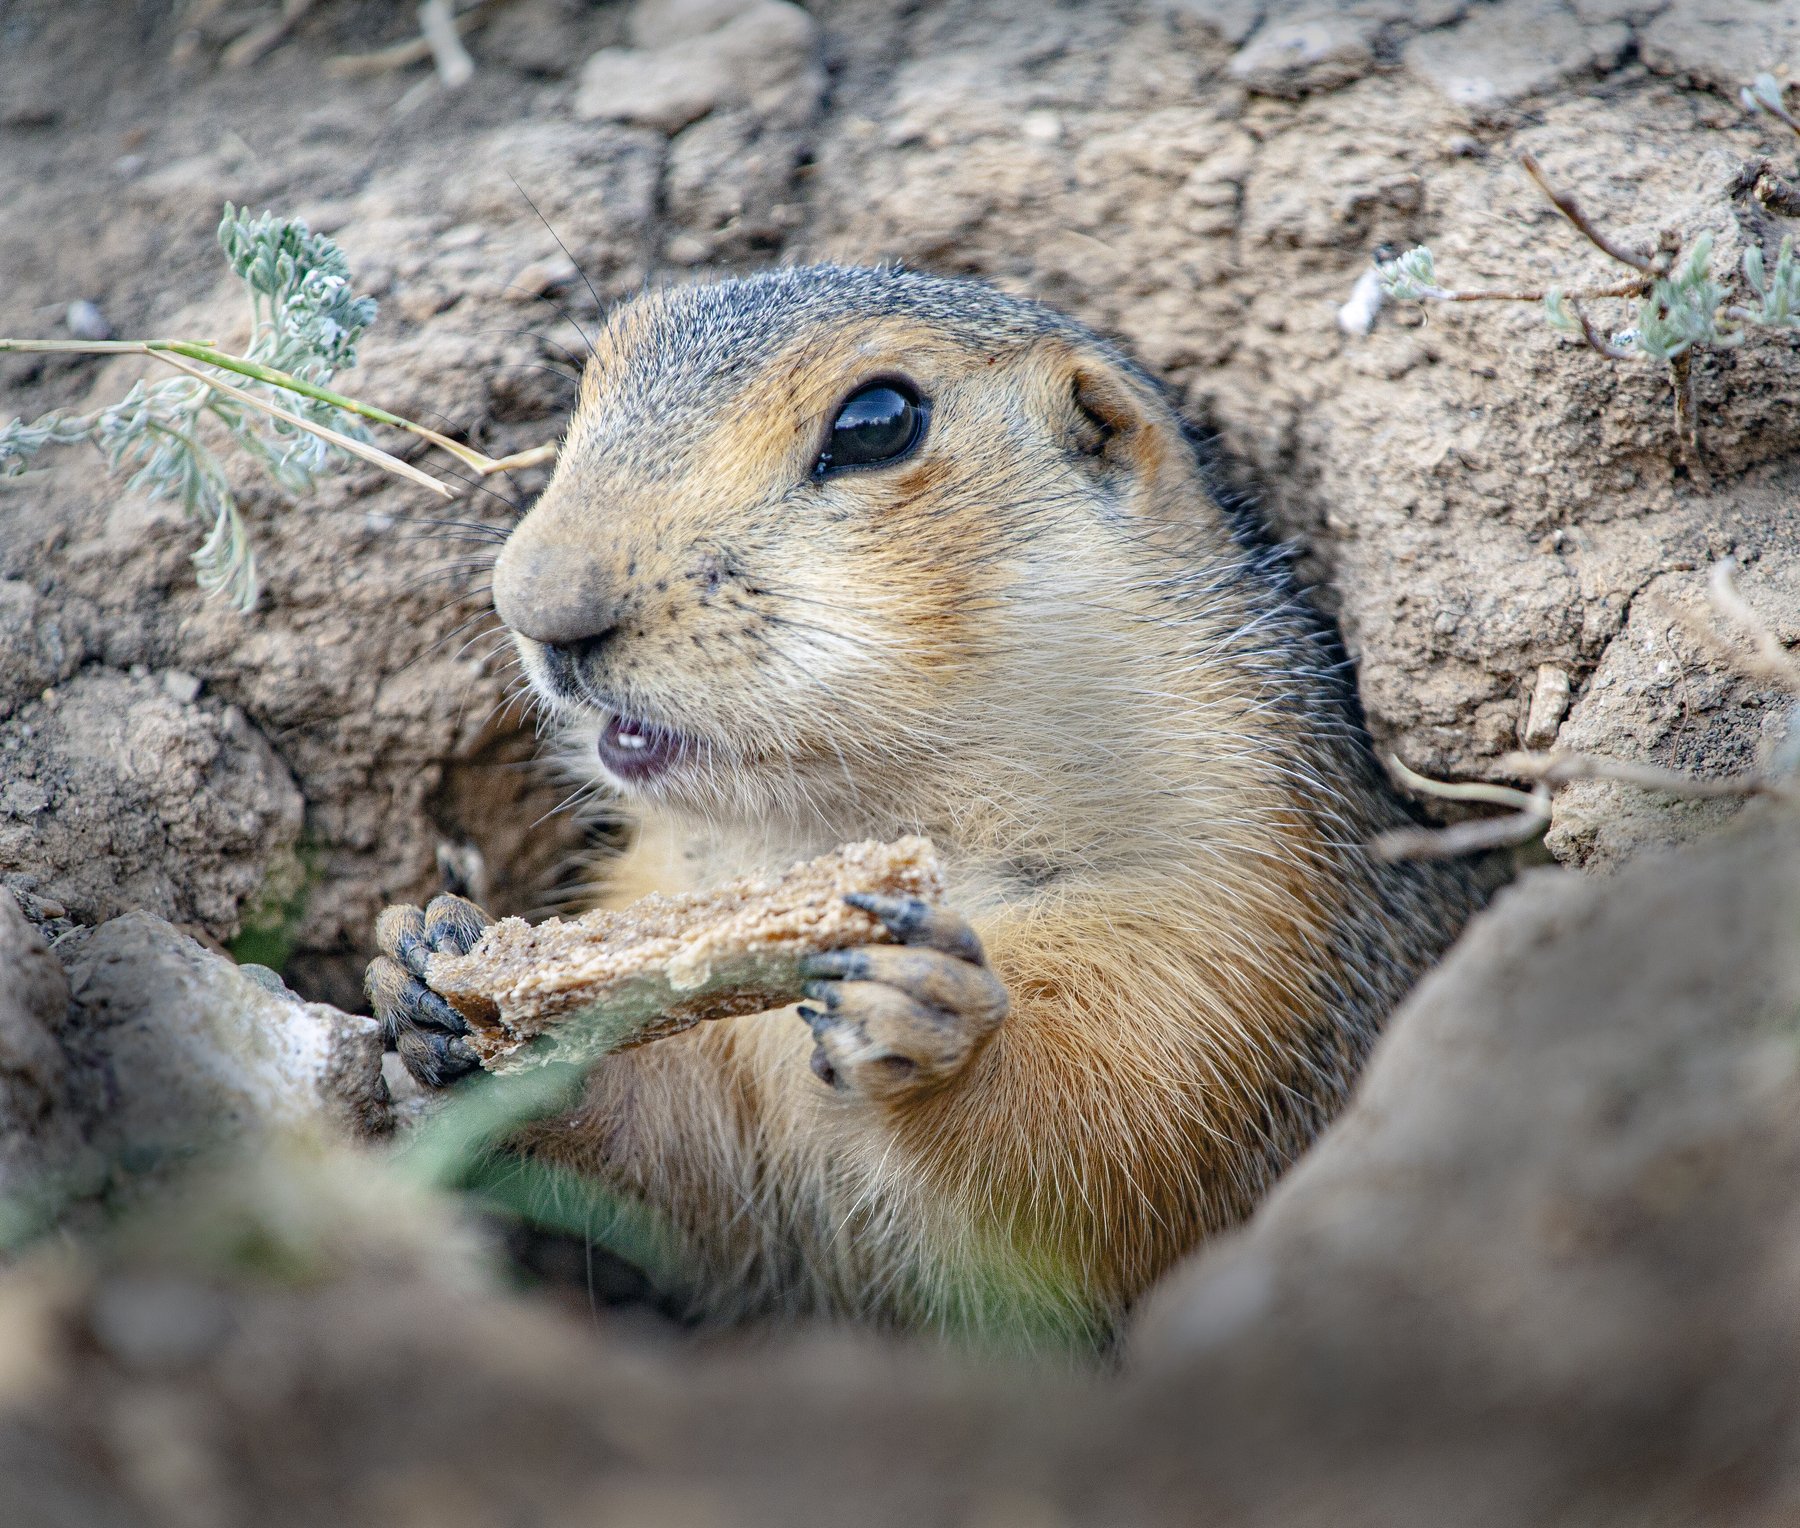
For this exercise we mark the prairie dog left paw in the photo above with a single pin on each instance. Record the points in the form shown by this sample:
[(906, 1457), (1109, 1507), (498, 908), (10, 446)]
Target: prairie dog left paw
[(892, 1019), (427, 1032)]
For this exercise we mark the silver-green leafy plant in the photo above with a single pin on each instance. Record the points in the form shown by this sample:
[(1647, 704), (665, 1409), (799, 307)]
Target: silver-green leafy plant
[(1679, 305), (272, 401), (306, 321), (1779, 289), (1765, 95)]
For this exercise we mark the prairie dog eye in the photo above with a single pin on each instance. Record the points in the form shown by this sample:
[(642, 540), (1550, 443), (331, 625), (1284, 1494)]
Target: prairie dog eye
[(875, 425)]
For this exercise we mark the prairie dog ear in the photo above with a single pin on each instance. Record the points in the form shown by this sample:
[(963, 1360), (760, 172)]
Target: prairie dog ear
[(1113, 418)]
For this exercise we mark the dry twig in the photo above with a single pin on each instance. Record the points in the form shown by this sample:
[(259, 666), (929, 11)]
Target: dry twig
[(260, 40), (414, 50), (1529, 818), (1570, 209), (1768, 659)]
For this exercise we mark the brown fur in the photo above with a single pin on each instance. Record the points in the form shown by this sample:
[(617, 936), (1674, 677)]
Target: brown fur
[(1042, 642)]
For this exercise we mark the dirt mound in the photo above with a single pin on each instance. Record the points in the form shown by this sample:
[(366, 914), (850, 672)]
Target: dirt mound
[(1540, 1272)]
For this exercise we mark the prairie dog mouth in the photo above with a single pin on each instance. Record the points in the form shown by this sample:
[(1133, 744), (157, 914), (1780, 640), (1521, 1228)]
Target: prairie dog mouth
[(636, 751)]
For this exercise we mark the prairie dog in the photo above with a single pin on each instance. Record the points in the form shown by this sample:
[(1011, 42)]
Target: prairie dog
[(837, 553)]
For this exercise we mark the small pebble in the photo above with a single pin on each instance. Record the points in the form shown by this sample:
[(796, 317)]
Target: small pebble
[(1548, 706), (1357, 316), (182, 687), (85, 321), (542, 276)]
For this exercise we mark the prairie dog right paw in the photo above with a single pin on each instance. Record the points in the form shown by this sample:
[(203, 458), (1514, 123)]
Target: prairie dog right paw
[(426, 1031)]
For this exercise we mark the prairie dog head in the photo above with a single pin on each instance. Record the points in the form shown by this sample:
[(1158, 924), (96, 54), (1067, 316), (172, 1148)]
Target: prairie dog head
[(814, 533)]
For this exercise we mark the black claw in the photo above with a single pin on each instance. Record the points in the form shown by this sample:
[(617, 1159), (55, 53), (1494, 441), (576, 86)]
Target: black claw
[(849, 965), (902, 916), (827, 993), (412, 951), (434, 1011), (822, 1067), (458, 1056), (436, 1059)]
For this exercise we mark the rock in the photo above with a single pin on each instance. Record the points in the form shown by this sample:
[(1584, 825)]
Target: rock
[(762, 54), (652, 24), (730, 183), (85, 321), (1293, 58), (1496, 56), (1721, 43), (541, 276), (119, 794), (1662, 696), (546, 37), (40, 1136), (661, 90), (188, 1051), (1548, 705), (1550, 1246), (40, 645), (1232, 20)]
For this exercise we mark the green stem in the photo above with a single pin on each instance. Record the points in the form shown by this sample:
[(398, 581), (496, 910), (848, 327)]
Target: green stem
[(225, 361)]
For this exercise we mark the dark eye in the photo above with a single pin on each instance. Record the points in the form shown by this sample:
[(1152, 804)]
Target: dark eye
[(881, 423)]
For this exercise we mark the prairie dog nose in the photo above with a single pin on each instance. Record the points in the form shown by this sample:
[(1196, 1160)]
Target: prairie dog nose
[(549, 596)]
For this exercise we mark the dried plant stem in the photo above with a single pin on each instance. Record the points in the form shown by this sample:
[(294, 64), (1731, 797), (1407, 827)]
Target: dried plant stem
[(1767, 94), (403, 55), (1461, 790), (1529, 817), (1687, 413), (167, 351), (1594, 338), (531, 456), (1557, 768), (1538, 294), (368, 453), (1769, 659), (261, 39), (454, 66), (1570, 209)]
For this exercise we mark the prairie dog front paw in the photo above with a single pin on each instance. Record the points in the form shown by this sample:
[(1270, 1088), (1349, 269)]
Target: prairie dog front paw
[(426, 1031), (893, 1019)]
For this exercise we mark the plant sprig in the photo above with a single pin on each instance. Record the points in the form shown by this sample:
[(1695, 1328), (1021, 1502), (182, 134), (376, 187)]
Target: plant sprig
[(1679, 305), (306, 321), (1766, 95)]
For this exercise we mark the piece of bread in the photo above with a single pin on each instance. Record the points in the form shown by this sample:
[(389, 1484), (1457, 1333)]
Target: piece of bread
[(609, 980)]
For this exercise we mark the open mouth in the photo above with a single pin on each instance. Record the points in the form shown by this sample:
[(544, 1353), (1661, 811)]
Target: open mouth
[(636, 750)]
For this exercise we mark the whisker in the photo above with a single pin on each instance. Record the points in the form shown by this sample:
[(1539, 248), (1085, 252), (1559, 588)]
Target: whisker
[(599, 306), (542, 339)]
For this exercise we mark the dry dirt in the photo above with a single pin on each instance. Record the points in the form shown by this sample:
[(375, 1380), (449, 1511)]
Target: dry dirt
[(1476, 498), (1540, 1273)]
